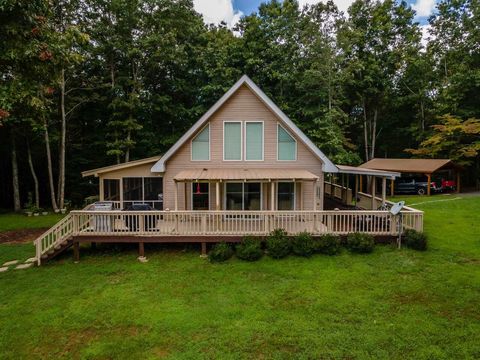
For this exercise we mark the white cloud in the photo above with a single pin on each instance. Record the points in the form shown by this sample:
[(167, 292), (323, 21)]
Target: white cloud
[(425, 34), (216, 11), (424, 7)]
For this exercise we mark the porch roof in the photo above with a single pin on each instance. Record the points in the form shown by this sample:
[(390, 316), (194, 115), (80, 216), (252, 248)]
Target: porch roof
[(244, 174), (366, 171)]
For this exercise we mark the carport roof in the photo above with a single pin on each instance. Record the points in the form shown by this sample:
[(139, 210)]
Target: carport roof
[(424, 166)]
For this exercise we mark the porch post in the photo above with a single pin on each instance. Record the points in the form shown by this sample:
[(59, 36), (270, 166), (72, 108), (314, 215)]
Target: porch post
[(356, 188), (458, 181), (100, 189), (361, 183), (384, 190), (314, 195), (373, 180), (185, 196), (301, 195), (272, 197), (347, 185), (217, 195), (429, 179), (322, 190), (176, 195), (392, 186), (121, 193)]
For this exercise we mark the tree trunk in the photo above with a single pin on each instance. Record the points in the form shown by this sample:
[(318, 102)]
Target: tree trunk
[(127, 151), (16, 187), (34, 176), (49, 165), (374, 133), (61, 160), (422, 113), (365, 130)]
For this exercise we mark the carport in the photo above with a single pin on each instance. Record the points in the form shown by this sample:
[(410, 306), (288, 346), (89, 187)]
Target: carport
[(425, 167)]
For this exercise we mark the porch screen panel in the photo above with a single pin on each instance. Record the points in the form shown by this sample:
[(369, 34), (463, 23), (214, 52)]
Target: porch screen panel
[(132, 188), (153, 191), (286, 196), (234, 196), (232, 141), (111, 190), (201, 145), (254, 141), (287, 146)]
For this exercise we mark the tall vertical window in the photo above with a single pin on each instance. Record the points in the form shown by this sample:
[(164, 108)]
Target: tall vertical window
[(200, 196), (253, 140), (111, 189), (133, 188), (201, 145), (243, 196), (232, 140), (286, 145), (286, 196)]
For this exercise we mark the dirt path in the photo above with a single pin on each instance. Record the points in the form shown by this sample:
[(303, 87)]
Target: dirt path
[(21, 235)]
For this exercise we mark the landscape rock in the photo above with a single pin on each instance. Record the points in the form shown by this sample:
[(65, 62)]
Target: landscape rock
[(13, 262), (23, 266), (3, 269), (30, 260), (142, 259)]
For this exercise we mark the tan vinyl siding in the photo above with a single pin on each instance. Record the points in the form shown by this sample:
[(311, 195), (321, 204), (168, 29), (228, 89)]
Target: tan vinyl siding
[(242, 106)]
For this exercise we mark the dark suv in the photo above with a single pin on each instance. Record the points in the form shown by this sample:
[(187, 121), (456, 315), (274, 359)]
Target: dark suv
[(415, 185)]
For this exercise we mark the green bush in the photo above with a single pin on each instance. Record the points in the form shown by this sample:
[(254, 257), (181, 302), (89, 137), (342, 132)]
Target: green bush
[(360, 243), (250, 249), (415, 240), (302, 244), (278, 244), (328, 244), (220, 252)]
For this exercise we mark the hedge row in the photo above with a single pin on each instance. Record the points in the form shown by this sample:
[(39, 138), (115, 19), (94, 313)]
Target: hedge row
[(279, 245)]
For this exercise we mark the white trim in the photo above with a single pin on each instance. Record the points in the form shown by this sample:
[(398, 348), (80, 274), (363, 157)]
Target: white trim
[(263, 139), (209, 142), (191, 195), (327, 166), (241, 139), (294, 194), (293, 137), (243, 193)]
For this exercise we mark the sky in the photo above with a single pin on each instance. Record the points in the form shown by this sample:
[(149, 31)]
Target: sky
[(230, 11)]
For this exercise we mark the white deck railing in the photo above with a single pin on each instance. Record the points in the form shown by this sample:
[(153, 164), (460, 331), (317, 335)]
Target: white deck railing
[(220, 223)]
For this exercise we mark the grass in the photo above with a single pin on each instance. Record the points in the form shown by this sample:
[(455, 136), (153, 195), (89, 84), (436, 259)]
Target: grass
[(21, 221), (388, 304)]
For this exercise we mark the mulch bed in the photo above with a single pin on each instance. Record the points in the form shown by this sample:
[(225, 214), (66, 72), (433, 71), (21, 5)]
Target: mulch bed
[(21, 235)]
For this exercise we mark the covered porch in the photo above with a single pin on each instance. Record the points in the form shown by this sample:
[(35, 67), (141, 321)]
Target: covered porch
[(247, 189)]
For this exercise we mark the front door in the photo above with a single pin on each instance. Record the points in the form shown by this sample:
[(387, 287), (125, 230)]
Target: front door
[(200, 198)]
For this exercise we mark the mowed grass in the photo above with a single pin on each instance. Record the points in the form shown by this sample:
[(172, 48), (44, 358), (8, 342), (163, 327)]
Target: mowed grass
[(390, 304), (21, 221)]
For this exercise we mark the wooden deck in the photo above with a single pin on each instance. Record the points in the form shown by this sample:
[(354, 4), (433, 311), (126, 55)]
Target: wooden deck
[(213, 226)]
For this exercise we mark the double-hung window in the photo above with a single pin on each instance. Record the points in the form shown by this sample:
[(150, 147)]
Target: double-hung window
[(243, 140)]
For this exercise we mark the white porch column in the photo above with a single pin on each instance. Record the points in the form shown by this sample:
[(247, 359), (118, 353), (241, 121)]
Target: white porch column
[(322, 190), (374, 183), (176, 195), (121, 193), (314, 195), (272, 196), (301, 194), (384, 190), (217, 195)]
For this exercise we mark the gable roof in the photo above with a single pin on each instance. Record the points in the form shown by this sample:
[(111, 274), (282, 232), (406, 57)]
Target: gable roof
[(132, 163), (328, 166), (408, 165)]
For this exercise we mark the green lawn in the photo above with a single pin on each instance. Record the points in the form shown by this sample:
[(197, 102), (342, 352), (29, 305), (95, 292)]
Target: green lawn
[(21, 221), (390, 304)]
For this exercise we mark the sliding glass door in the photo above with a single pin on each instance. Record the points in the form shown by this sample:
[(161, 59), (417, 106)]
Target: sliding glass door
[(243, 196)]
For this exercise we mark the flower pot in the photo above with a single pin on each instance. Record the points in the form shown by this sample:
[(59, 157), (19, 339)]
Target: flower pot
[(29, 213), (64, 211), (45, 213), (36, 214), (57, 211)]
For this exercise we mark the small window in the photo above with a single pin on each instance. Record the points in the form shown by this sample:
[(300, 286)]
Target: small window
[(111, 189), (200, 196), (201, 145), (286, 145), (232, 141), (253, 141)]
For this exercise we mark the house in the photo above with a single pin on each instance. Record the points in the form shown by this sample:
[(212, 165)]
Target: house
[(243, 168)]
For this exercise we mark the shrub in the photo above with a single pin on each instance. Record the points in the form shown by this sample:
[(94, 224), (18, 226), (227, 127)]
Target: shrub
[(328, 244), (249, 249), (360, 243), (415, 240), (302, 244), (278, 244), (220, 252)]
